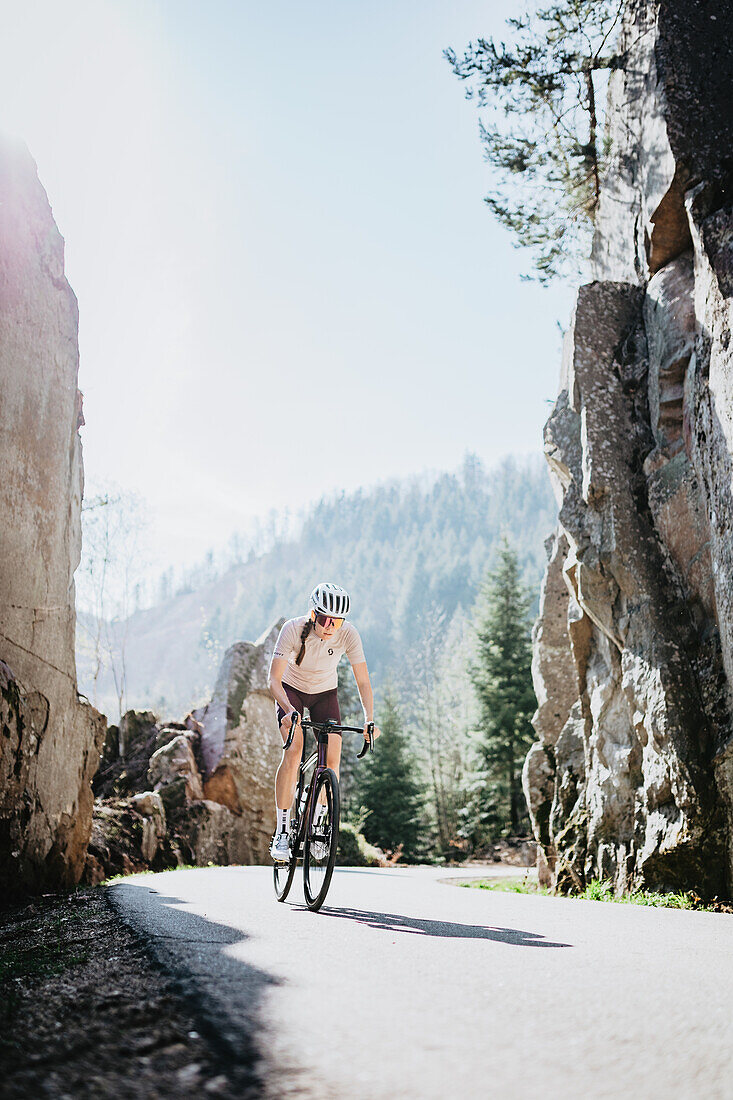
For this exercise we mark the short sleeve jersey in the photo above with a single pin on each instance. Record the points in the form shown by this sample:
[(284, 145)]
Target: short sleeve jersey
[(318, 670)]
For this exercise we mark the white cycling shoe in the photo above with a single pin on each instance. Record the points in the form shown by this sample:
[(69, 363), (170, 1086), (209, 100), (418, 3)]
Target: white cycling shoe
[(319, 850), (280, 849)]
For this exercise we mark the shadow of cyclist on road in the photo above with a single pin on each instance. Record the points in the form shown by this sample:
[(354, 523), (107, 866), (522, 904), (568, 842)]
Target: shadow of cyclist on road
[(391, 922)]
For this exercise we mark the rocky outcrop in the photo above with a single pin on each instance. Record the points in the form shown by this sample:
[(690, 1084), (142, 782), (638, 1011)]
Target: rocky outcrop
[(123, 768), (631, 778), (196, 791), (150, 812), (174, 764), (50, 748), (241, 745)]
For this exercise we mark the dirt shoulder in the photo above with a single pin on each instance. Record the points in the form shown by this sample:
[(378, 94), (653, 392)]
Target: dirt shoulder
[(85, 1012)]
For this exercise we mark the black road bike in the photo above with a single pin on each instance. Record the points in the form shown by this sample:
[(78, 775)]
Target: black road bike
[(315, 839)]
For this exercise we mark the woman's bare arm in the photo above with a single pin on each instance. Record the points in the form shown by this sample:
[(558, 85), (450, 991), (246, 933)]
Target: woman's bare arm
[(275, 683), (364, 684)]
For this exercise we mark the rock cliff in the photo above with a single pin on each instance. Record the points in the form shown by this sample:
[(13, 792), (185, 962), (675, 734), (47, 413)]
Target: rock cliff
[(632, 777), (50, 744)]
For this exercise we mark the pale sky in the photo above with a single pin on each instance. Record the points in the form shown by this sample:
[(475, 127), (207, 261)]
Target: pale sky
[(288, 282)]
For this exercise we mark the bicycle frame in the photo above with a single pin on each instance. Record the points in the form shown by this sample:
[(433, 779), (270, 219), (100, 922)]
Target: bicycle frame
[(319, 757), (320, 731), (304, 835)]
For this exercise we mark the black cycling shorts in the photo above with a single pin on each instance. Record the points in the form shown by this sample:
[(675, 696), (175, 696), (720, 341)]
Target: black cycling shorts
[(322, 707)]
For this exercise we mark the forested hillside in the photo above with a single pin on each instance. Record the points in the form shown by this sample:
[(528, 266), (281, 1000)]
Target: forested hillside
[(409, 552)]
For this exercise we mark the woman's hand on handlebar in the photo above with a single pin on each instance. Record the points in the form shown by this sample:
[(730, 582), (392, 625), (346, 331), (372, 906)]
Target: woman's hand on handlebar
[(287, 720), (376, 732), (288, 726)]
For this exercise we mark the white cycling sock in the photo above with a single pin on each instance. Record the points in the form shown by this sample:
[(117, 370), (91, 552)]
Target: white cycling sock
[(283, 820), (320, 811)]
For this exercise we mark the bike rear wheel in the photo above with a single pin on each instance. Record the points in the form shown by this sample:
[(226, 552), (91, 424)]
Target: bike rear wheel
[(321, 842)]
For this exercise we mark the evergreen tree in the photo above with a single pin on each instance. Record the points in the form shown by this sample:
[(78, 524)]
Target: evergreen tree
[(388, 789), (503, 682), (543, 134)]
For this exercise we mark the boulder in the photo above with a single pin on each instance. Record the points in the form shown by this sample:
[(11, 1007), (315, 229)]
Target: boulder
[(618, 786), (669, 323), (135, 729), (148, 803), (538, 782), (208, 832), (51, 750), (116, 842), (175, 763), (167, 733), (553, 668), (241, 745), (150, 806), (124, 770)]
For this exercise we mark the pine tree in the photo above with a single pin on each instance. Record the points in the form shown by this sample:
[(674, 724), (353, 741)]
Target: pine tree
[(388, 789), (542, 92), (503, 682)]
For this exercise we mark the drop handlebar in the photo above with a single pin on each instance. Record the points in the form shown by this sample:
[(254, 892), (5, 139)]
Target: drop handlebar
[(332, 727)]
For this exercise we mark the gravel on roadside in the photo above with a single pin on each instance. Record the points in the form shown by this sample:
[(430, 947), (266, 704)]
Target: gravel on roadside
[(86, 1013)]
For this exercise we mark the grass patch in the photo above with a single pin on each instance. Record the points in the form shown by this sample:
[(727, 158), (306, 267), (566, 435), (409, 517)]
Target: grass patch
[(149, 871), (129, 874), (507, 885), (597, 890)]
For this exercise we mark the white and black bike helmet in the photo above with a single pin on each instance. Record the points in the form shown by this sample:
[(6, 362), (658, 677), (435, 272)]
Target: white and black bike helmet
[(330, 599)]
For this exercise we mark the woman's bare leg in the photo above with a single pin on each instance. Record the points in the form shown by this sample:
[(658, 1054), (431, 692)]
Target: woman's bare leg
[(287, 773), (333, 759), (333, 756)]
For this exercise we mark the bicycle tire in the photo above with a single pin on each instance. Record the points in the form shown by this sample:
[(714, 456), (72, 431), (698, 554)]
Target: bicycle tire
[(284, 873), (317, 874)]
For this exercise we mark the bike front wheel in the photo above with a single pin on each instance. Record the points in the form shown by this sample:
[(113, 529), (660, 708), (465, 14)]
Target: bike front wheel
[(321, 841)]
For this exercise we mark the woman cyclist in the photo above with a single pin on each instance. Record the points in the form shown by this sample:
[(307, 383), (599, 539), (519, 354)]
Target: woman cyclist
[(303, 673)]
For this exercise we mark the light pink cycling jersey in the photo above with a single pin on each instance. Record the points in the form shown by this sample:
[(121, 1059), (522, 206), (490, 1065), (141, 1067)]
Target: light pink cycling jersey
[(317, 671)]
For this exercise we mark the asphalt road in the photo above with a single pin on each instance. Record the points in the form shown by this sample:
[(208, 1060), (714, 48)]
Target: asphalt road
[(405, 985)]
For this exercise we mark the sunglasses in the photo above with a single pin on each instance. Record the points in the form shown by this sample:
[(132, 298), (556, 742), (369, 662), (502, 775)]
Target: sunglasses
[(326, 620)]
